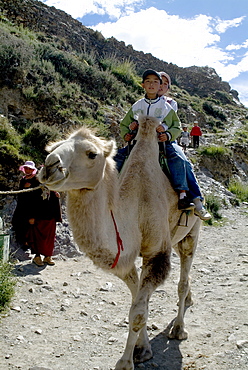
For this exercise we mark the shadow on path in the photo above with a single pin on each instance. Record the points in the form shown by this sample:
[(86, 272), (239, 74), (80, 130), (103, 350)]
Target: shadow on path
[(28, 269), (166, 353)]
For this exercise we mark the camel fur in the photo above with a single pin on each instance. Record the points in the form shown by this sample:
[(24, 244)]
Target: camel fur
[(144, 208)]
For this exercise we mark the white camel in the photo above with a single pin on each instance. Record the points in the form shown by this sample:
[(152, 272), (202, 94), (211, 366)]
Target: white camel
[(114, 220)]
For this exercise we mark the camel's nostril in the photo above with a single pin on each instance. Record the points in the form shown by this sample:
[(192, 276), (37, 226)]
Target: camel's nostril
[(62, 169)]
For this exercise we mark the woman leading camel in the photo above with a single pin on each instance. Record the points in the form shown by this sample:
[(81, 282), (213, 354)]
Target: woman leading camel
[(34, 219)]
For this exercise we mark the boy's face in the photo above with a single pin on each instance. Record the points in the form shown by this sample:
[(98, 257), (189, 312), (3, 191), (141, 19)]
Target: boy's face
[(151, 85), (164, 86)]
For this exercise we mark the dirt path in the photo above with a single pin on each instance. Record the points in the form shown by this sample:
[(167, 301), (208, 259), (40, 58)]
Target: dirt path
[(74, 316)]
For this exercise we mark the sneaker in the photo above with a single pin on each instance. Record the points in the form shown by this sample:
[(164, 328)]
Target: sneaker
[(38, 261), (49, 261), (185, 203), (203, 214)]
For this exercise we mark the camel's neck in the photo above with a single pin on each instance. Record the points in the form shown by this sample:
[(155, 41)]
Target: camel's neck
[(89, 214)]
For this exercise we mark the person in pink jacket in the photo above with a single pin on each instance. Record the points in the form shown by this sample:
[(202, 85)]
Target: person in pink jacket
[(195, 133)]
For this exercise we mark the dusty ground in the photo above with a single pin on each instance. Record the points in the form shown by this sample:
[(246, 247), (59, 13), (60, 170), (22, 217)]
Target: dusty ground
[(74, 316)]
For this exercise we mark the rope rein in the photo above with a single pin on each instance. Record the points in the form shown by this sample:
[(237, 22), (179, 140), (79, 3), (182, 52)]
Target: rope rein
[(13, 192), (45, 191)]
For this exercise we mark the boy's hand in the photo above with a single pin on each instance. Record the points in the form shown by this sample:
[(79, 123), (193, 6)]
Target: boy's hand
[(162, 137), (161, 133), (128, 137), (160, 128), (133, 126)]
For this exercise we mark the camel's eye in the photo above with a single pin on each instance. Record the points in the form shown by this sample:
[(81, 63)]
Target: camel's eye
[(92, 155)]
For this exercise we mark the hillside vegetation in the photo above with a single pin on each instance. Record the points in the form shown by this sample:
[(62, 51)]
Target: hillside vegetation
[(50, 85)]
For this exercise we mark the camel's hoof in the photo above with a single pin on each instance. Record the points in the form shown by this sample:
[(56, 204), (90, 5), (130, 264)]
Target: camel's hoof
[(124, 365), (142, 354), (178, 333)]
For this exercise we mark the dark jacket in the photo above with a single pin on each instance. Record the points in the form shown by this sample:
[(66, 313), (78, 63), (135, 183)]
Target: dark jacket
[(32, 205)]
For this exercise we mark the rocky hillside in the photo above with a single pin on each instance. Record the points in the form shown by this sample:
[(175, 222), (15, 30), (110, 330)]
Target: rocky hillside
[(56, 24)]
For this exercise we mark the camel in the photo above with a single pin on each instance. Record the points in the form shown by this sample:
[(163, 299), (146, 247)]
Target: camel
[(116, 219)]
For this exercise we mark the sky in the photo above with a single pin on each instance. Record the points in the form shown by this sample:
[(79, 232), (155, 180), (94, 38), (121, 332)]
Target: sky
[(211, 33)]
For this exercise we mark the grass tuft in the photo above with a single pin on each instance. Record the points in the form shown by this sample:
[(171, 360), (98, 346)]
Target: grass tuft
[(7, 284), (240, 189)]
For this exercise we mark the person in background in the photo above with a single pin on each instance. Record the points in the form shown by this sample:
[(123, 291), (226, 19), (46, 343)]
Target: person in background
[(34, 219), (195, 133), (184, 138)]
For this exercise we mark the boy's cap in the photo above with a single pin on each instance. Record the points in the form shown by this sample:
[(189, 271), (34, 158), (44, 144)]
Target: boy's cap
[(151, 72), (164, 74)]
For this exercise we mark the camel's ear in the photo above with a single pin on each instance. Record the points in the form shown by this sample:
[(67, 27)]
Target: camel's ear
[(110, 148), (51, 146)]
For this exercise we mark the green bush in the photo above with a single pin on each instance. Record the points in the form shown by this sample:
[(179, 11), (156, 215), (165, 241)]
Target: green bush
[(214, 151), (8, 151), (15, 55), (240, 189), (213, 204), (224, 97), (7, 284), (37, 137), (88, 58), (242, 133), (124, 71), (8, 134), (214, 111)]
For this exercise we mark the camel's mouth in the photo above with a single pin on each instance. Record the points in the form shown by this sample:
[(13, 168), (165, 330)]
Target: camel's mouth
[(53, 176)]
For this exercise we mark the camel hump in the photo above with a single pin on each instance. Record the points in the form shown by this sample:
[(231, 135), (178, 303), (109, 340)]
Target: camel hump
[(147, 126)]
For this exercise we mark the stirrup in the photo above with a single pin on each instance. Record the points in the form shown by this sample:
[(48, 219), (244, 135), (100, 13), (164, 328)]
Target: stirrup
[(185, 212)]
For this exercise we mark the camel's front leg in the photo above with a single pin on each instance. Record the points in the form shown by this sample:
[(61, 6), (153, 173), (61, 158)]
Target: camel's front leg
[(154, 272), (137, 321), (186, 252)]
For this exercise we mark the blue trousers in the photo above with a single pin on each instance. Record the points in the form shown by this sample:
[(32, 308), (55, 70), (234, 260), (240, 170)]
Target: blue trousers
[(182, 174)]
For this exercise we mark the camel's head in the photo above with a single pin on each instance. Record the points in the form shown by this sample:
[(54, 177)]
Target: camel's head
[(77, 163), (147, 127)]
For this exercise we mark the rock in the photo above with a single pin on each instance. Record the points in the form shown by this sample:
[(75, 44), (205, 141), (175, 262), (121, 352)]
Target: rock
[(112, 340), (107, 287), (242, 344), (231, 338), (37, 281), (39, 368), (20, 338), (77, 338), (16, 308), (38, 331)]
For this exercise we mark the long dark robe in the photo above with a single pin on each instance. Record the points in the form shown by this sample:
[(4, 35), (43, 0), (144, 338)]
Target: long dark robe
[(46, 212)]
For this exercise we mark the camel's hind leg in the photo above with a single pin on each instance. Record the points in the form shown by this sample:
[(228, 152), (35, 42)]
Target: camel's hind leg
[(154, 272), (186, 250)]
